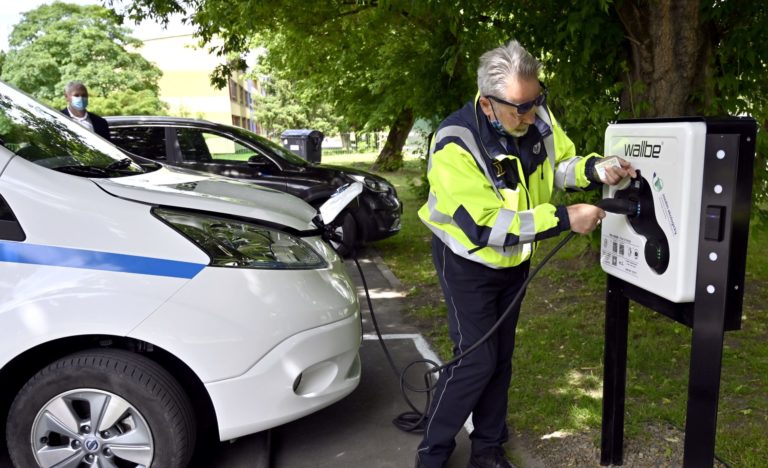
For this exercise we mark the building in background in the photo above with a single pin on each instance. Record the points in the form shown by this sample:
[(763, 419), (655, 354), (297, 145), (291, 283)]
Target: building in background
[(186, 86)]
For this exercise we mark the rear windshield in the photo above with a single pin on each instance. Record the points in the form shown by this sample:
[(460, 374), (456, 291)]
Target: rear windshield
[(48, 138)]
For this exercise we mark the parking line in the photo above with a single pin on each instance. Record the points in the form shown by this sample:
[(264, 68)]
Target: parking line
[(426, 352)]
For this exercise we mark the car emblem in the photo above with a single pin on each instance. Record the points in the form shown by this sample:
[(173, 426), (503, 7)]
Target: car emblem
[(91, 445)]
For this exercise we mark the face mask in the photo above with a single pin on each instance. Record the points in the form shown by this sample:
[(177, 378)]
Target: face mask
[(499, 127), (496, 124), (79, 102)]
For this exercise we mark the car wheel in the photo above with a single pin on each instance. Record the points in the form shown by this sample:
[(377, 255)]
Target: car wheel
[(347, 231), (106, 408)]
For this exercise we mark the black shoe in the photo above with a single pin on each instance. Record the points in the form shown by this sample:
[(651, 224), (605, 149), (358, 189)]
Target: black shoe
[(493, 457)]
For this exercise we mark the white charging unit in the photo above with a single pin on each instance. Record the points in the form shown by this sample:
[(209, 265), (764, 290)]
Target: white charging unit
[(670, 158), (680, 250)]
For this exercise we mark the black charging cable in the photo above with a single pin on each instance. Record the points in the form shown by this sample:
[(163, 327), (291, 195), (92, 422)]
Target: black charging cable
[(415, 419)]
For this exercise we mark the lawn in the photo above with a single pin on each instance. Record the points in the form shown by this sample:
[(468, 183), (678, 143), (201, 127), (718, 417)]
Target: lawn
[(557, 383)]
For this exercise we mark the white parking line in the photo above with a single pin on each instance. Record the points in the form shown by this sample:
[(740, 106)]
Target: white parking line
[(426, 352)]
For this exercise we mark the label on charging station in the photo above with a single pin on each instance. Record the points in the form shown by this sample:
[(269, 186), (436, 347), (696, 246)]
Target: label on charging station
[(659, 254)]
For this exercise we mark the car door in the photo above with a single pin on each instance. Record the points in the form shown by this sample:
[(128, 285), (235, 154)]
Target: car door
[(150, 142), (218, 153)]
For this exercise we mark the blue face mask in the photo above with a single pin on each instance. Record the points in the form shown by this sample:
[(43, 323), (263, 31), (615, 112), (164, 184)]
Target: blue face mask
[(496, 124), (79, 102), (499, 128)]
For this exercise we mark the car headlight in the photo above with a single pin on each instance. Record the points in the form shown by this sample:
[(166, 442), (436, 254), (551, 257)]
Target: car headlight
[(238, 244), (373, 184)]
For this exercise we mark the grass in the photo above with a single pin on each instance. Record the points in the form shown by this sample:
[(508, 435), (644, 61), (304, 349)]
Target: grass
[(557, 382), (350, 159)]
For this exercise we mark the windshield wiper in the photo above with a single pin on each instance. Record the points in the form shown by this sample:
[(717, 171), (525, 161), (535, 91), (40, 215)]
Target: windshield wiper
[(90, 171), (121, 164)]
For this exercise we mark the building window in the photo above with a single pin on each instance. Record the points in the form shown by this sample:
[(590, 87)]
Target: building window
[(233, 90), (236, 120)]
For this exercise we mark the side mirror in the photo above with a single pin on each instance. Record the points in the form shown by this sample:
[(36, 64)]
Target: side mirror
[(339, 200)]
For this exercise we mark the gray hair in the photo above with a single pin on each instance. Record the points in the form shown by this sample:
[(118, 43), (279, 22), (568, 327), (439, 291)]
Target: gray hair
[(72, 85), (498, 65)]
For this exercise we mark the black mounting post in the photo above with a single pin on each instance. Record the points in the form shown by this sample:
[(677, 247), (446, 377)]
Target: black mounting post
[(721, 263), (614, 373)]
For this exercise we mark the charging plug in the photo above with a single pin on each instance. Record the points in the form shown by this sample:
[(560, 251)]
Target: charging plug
[(622, 206), (628, 201)]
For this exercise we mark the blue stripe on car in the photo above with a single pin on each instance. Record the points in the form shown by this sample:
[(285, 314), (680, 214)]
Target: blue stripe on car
[(15, 252)]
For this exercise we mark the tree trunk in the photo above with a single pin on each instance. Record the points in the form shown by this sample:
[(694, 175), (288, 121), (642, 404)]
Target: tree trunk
[(668, 58), (344, 141), (391, 156)]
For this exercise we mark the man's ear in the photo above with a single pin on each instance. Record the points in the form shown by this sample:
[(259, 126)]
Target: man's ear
[(485, 106)]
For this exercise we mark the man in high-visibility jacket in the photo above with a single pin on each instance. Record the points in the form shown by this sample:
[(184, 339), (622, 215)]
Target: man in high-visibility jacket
[(492, 168)]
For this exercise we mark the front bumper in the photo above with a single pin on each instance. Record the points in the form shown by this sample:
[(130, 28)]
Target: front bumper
[(378, 216), (301, 375)]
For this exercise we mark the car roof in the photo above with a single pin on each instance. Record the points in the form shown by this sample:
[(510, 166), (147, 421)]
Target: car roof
[(159, 119)]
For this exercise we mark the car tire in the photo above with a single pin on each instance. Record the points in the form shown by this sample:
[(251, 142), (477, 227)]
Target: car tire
[(143, 417), (347, 230)]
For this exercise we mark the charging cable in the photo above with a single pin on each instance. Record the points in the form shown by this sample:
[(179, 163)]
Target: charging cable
[(414, 420)]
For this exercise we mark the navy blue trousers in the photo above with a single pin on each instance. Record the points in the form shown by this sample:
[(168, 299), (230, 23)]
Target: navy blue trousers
[(476, 297)]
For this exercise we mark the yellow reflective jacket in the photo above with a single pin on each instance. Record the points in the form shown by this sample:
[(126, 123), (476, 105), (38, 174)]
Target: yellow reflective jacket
[(489, 202)]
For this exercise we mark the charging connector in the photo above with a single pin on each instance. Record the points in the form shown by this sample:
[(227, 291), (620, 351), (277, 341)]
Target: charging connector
[(621, 206)]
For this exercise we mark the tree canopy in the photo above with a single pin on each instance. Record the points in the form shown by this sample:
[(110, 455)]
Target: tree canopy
[(281, 107), (387, 62), (57, 43)]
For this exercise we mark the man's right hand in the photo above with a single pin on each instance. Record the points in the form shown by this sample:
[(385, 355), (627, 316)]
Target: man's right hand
[(584, 218)]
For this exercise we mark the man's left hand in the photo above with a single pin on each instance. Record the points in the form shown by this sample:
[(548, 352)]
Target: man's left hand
[(614, 174)]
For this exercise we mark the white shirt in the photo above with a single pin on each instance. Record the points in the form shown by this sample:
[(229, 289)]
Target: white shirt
[(85, 121)]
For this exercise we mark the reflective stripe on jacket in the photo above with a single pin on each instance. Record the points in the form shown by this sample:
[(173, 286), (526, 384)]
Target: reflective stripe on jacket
[(482, 203)]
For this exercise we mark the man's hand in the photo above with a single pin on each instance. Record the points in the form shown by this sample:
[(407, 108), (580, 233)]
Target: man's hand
[(584, 218), (614, 174)]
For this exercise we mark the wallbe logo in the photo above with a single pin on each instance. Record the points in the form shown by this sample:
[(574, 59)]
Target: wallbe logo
[(643, 150)]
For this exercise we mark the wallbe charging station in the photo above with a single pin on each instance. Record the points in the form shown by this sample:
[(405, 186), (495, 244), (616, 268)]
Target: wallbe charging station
[(681, 253)]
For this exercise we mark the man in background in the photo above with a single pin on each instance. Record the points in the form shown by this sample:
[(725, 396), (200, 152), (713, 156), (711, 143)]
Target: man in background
[(76, 95)]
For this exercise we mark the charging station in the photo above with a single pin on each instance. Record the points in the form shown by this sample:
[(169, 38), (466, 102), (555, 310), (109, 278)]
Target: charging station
[(682, 254)]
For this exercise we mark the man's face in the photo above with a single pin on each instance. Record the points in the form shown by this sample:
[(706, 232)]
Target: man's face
[(518, 91), (77, 91)]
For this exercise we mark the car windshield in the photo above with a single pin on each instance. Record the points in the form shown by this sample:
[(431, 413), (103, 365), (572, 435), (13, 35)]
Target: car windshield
[(46, 137), (276, 149)]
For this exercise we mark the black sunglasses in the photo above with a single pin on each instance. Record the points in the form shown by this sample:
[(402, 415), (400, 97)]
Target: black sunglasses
[(525, 107)]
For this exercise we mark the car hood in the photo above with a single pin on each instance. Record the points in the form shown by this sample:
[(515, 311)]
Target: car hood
[(350, 171), (170, 186)]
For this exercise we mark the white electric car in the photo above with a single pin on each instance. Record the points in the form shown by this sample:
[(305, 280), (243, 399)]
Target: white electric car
[(141, 304)]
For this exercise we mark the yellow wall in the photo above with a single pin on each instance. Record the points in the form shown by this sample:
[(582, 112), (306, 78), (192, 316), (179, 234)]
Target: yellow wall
[(185, 84)]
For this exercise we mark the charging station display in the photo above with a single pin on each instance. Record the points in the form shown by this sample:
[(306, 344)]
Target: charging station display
[(656, 249)]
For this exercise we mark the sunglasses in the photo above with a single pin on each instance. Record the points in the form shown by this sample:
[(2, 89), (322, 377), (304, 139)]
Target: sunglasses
[(525, 107)]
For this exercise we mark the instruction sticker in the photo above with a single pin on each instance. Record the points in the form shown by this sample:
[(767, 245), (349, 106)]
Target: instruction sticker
[(621, 254)]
